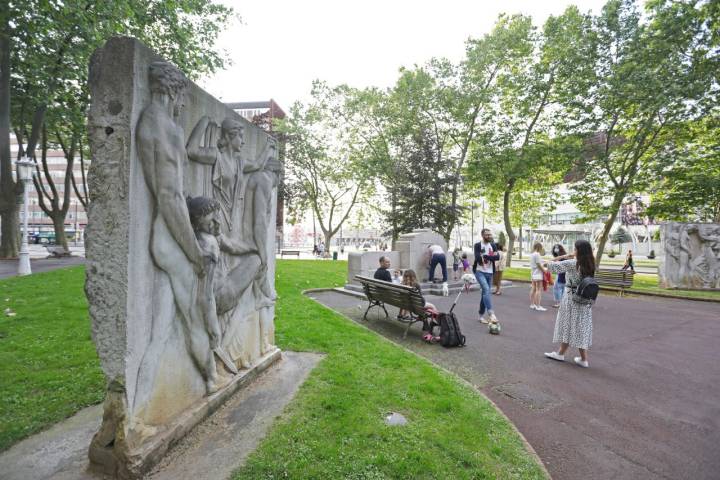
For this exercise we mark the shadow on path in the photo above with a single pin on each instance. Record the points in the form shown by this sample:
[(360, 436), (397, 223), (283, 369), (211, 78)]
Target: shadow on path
[(648, 406)]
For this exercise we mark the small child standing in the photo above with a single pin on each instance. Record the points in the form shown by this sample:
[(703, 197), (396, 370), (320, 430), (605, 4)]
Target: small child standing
[(456, 263), (465, 263), (396, 278)]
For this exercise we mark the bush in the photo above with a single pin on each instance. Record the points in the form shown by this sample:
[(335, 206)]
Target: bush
[(651, 255), (612, 253)]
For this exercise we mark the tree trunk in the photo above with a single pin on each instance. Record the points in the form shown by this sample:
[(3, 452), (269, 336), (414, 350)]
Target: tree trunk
[(614, 209), (59, 227), (10, 231), (328, 238), (508, 223), (10, 245)]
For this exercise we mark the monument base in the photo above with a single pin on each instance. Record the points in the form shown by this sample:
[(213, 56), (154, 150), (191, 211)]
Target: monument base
[(122, 458)]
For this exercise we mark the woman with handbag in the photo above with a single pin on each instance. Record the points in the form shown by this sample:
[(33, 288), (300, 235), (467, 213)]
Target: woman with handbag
[(573, 325)]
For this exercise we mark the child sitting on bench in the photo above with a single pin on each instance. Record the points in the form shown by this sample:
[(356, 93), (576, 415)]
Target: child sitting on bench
[(410, 280)]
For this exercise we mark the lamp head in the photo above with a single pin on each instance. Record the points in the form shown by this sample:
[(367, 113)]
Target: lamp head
[(24, 169)]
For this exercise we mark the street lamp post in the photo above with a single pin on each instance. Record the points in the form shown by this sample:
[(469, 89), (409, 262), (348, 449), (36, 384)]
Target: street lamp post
[(24, 174), (472, 224)]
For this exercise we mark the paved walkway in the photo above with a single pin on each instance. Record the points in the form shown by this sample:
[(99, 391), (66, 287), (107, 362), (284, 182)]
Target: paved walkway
[(9, 268), (648, 407)]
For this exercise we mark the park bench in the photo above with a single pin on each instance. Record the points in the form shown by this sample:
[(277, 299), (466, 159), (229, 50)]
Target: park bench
[(380, 292), (57, 251), (290, 252), (620, 279)]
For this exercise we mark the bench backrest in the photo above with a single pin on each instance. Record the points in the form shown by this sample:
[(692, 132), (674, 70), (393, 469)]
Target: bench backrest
[(621, 278), (400, 296)]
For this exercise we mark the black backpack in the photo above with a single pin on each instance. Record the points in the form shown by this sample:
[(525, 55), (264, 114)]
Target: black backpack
[(450, 335), (586, 291)]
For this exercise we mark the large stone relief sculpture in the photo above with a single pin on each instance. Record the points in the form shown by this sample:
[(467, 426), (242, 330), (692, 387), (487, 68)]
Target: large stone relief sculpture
[(691, 255), (180, 253)]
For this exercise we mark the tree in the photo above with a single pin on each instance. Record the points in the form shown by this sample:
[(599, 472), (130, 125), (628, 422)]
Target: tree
[(502, 239), (520, 160), (48, 44), (645, 77), (325, 167), (621, 236), (686, 173)]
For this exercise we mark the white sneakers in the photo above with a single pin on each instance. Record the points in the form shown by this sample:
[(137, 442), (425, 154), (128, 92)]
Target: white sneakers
[(491, 318), (539, 308), (555, 356), (561, 358), (581, 362)]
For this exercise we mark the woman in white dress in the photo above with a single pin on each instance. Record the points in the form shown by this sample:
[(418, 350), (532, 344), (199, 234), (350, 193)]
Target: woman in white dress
[(573, 326), (536, 277)]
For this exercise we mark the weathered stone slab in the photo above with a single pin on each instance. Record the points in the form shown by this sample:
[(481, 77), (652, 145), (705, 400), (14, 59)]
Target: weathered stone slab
[(690, 256), (180, 244), (365, 263), (413, 251)]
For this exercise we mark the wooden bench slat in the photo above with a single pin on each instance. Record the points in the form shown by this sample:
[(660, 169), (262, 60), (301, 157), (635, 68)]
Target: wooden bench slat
[(615, 278), (380, 292)]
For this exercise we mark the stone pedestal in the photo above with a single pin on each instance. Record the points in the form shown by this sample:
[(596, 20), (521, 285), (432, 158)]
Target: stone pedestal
[(412, 248), (365, 263), (690, 256), (180, 252)]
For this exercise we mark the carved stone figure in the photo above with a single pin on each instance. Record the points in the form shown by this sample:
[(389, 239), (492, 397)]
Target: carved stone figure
[(262, 179), (224, 157), (692, 256), (202, 217), (174, 248)]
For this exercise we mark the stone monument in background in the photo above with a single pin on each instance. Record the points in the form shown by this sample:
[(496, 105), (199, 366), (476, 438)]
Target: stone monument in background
[(690, 256), (180, 244)]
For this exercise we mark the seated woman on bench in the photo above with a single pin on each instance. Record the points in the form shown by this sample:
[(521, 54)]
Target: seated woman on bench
[(410, 280)]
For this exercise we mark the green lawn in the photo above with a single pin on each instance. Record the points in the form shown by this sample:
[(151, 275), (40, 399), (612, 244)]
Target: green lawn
[(48, 365), (333, 428), (642, 283)]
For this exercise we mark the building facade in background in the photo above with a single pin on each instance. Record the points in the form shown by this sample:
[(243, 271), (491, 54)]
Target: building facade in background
[(40, 225)]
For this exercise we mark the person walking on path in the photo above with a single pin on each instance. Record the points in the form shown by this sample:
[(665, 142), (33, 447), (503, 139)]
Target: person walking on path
[(437, 256), (573, 325), (499, 268), (537, 271), (629, 262), (483, 268), (559, 287)]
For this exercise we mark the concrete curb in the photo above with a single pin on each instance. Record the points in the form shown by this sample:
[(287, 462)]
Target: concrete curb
[(527, 445), (647, 294)]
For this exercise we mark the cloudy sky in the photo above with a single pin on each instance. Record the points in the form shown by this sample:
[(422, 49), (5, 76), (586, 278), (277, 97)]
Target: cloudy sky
[(281, 46)]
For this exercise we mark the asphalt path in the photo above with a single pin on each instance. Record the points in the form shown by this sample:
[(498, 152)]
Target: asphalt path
[(9, 268), (647, 408)]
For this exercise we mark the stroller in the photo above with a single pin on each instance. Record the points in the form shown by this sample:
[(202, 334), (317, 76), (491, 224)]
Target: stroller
[(450, 335)]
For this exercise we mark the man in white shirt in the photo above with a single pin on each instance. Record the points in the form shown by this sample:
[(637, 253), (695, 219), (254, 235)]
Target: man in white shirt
[(483, 267), (437, 256)]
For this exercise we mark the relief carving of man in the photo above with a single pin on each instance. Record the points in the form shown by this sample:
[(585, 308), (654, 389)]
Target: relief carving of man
[(173, 245), (257, 216)]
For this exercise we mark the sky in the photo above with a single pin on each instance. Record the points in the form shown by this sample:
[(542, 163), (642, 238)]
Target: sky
[(280, 46)]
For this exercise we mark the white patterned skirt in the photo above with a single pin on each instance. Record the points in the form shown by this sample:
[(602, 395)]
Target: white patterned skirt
[(573, 324)]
